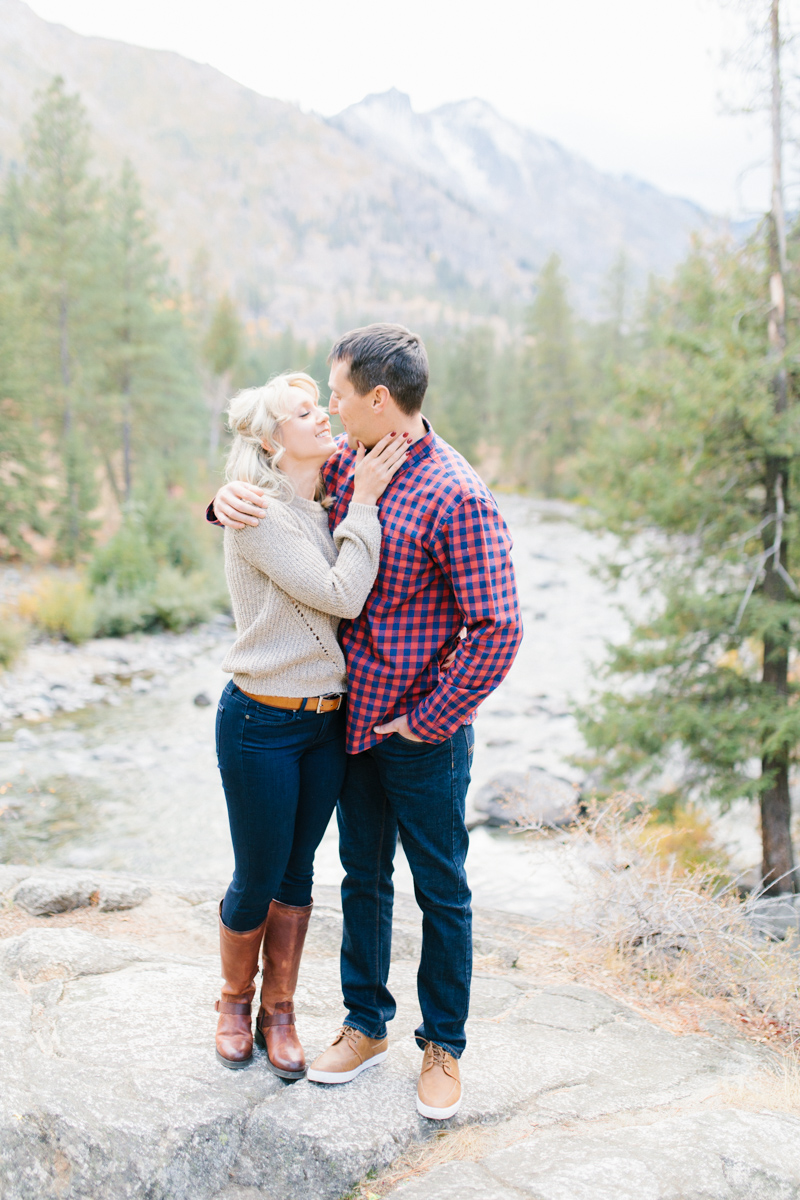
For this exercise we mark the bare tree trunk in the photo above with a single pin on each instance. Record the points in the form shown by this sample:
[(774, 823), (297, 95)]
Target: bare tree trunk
[(73, 498), (127, 437), (217, 392), (777, 856)]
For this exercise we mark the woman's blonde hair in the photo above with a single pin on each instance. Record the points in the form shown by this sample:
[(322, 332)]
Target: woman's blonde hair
[(255, 416)]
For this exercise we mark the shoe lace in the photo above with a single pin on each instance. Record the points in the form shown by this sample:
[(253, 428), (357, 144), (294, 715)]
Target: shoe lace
[(438, 1054), (349, 1034)]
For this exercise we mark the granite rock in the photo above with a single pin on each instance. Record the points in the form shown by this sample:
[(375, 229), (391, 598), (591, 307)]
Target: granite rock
[(114, 1091), (45, 892), (534, 797)]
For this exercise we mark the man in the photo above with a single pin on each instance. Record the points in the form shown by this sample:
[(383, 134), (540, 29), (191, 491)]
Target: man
[(414, 685)]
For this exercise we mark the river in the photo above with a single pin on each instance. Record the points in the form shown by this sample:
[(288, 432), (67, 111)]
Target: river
[(133, 785)]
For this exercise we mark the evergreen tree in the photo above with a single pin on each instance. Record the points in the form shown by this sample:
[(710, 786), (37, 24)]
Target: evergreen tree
[(550, 415), (221, 350), (21, 468), (60, 237), (688, 448), (460, 398), (152, 404)]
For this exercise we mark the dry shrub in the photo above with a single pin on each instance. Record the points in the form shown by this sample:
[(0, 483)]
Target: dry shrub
[(13, 637), (681, 931), (775, 1088), (60, 606)]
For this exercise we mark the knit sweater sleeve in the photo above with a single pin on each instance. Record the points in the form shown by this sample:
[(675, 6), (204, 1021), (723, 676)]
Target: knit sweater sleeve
[(277, 548)]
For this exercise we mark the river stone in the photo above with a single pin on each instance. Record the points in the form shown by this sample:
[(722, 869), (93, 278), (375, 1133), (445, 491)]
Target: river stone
[(775, 916), (534, 797), (10, 875), (48, 892)]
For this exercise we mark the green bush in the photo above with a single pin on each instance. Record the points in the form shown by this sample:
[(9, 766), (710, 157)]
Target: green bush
[(119, 613), (173, 531), (161, 570), (127, 561), (175, 602), (61, 607), (179, 601), (13, 636)]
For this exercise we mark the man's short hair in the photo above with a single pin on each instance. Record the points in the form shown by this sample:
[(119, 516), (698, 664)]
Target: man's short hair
[(389, 355)]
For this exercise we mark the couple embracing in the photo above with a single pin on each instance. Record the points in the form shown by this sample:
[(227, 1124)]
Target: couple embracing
[(375, 608)]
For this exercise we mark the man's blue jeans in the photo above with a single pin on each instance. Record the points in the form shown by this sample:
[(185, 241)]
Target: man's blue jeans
[(417, 790)]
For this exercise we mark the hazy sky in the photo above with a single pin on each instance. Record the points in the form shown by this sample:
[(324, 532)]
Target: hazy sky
[(636, 86)]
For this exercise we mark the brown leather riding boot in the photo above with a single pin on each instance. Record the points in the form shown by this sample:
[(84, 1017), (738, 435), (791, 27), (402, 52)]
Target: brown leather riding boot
[(239, 953), (283, 948)]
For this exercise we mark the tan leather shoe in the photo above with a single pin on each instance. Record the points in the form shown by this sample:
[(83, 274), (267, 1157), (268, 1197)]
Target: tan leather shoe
[(439, 1087), (350, 1053)]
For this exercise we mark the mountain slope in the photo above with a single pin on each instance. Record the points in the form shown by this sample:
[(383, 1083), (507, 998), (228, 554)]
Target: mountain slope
[(379, 213), (543, 197)]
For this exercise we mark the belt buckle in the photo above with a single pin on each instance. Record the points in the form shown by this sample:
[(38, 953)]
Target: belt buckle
[(337, 696), (320, 702)]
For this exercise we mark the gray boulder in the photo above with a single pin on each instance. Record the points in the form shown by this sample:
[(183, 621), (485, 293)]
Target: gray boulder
[(775, 917), (10, 875), (46, 892), (534, 797), (725, 1155), (111, 1088)]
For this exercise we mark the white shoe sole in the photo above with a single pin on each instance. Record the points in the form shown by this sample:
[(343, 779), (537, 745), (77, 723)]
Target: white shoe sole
[(437, 1114), (344, 1076)]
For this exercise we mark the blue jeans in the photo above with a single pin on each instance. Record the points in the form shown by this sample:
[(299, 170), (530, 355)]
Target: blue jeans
[(282, 772), (418, 790)]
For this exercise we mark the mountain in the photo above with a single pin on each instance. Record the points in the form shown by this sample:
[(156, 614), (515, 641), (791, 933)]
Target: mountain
[(530, 190), (379, 213)]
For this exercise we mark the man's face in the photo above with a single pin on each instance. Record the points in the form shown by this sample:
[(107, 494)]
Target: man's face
[(361, 423)]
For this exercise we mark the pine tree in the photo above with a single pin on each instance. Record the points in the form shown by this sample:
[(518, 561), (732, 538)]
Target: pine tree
[(221, 350), (460, 398), (687, 449), (21, 468), (152, 403), (60, 236), (550, 419)]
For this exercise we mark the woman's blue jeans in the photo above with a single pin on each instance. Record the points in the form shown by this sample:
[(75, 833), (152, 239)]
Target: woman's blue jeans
[(282, 772)]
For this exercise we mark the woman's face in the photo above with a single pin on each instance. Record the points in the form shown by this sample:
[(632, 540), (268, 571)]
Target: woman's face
[(306, 434)]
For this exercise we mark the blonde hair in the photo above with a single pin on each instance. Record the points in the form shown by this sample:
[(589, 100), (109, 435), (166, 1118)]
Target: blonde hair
[(255, 416)]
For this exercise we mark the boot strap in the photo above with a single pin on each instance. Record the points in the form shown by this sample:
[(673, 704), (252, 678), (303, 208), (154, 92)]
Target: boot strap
[(278, 1018), (233, 1009)]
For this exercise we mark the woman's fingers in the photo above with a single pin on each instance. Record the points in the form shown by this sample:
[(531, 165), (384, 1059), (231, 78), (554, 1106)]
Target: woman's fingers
[(250, 493), (384, 447), (394, 467), (395, 449)]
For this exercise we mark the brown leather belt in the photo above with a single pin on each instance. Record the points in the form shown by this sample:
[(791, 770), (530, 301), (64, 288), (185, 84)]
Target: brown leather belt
[(317, 704)]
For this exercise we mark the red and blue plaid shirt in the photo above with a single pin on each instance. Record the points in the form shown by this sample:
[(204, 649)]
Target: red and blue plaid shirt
[(445, 566)]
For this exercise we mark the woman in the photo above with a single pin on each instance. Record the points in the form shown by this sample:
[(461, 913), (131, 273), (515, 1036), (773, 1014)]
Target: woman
[(281, 720)]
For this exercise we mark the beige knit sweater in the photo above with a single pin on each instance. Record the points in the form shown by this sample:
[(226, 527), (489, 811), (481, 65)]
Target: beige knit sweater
[(290, 582)]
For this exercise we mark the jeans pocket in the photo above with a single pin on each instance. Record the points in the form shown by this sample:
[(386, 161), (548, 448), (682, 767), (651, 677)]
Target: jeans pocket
[(263, 714), (418, 745)]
